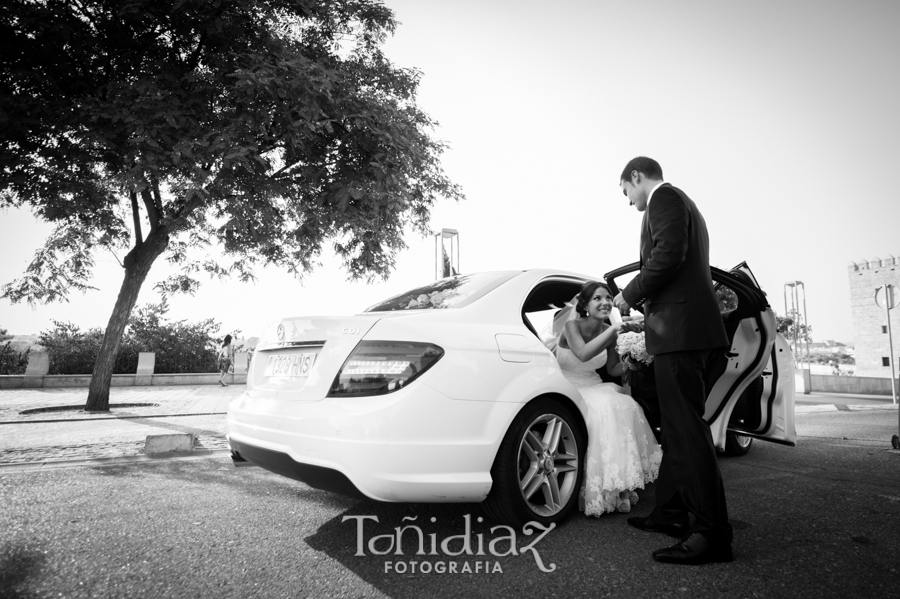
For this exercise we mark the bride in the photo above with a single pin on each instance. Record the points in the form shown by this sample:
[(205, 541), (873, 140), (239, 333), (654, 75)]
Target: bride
[(622, 453)]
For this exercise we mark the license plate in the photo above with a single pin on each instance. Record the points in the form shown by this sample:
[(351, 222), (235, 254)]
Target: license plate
[(293, 365)]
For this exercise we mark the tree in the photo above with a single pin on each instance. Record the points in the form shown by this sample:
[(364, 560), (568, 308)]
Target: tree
[(786, 326), (270, 127)]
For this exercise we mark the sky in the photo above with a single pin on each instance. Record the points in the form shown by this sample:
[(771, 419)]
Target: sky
[(778, 118)]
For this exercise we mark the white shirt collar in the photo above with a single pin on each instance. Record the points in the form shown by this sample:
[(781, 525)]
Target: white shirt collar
[(652, 191)]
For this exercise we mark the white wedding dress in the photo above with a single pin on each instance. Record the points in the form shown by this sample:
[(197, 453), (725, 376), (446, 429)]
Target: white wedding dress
[(622, 453)]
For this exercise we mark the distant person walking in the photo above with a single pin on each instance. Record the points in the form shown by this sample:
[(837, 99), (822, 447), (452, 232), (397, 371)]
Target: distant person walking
[(225, 357)]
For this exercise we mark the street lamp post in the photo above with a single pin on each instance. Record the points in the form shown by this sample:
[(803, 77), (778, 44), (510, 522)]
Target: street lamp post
[(890, 301), (796, 338), (794, 311), (446, 258)]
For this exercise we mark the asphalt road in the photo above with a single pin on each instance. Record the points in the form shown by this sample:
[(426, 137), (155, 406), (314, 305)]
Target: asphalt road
[(818, 520)]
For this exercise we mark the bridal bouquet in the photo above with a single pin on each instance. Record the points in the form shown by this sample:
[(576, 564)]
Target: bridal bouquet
[(633, 350)]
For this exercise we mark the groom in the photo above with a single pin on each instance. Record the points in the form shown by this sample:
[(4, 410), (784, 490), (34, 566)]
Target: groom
[(685, 333)]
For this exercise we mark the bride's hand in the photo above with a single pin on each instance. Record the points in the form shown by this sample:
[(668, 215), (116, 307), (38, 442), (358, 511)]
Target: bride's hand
[(631, 327)]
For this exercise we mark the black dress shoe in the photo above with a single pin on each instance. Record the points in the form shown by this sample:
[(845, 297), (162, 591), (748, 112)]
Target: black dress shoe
[(693, 550), (673, 530)]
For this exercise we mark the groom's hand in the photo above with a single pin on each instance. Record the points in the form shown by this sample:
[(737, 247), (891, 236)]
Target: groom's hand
[(621, 304)]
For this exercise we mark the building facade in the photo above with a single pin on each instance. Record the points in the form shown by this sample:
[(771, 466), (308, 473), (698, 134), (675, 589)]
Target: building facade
[(870, 324)]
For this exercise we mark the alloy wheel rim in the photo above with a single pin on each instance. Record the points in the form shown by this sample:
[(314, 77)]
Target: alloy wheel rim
[(547, 465)]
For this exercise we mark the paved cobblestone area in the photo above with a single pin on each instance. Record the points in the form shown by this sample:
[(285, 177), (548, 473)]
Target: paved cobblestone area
[(75, 452), (41, 436), (92, 450)]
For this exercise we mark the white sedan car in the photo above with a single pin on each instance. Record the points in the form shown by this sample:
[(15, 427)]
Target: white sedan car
[(450, 393)]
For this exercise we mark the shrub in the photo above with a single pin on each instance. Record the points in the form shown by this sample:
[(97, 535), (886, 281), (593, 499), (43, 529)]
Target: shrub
[(180, 347), (12, 361), (74, 352)]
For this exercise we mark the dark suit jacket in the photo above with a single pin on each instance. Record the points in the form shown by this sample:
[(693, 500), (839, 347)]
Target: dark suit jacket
[(674, 286)]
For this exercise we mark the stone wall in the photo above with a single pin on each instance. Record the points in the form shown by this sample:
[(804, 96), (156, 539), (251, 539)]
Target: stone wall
[(859, 385), (871, 342)]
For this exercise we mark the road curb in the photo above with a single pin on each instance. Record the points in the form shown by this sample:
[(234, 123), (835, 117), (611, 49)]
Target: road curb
[(829, 407)]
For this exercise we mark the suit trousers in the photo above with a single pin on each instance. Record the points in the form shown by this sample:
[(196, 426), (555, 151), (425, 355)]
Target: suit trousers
[(689, 482)]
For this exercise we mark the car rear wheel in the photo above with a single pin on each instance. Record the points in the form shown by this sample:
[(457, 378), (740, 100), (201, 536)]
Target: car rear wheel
[(736, 444), (537, 474)]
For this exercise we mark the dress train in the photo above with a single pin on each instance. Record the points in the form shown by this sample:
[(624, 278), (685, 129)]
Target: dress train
[(622, 453)]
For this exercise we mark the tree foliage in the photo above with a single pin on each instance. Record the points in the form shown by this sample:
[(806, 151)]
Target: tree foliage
[(786, 325), (269, 127)]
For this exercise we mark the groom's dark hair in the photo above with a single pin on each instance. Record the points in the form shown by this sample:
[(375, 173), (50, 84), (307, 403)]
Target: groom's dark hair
[(649, 167), (585, 295)]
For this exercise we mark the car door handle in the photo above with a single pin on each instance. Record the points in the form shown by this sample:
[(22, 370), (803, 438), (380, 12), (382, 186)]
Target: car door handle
[(731, 354)]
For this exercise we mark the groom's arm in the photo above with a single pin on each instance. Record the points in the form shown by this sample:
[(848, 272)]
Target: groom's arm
[(669, 220)]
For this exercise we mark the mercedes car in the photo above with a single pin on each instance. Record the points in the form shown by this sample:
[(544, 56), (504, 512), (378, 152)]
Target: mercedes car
[(451, 392)]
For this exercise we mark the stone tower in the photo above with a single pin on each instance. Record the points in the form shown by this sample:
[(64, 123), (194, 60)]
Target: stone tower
[(869, 321)]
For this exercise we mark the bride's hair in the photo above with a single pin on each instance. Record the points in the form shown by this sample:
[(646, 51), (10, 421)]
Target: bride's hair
[(587, 292)]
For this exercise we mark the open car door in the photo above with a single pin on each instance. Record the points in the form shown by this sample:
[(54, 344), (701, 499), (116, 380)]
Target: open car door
[(765, 409), (753, 393)]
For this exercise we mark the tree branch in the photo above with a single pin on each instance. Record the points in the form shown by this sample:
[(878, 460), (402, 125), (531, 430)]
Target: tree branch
[(157, 197), (194, 58), (185, 211), (115, 256), (150, 206), (87, 15), (136, 216)]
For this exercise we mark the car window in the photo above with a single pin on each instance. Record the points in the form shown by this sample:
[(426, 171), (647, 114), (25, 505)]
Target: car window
[(452, 292)]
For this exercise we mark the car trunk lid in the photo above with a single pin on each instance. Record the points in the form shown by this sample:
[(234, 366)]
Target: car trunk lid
[(299, 358)]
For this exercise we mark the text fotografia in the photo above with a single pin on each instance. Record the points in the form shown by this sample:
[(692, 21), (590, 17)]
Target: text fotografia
[(420, 543)]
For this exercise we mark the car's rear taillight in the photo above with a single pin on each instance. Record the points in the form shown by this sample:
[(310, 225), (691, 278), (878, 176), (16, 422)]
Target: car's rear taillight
[(379, 367)]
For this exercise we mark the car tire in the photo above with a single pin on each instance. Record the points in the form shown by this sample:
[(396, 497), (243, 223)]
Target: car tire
[(737, 444), (551, 474)]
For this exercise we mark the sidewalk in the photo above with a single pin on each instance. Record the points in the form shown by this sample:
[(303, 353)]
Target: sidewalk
[(56, 428)]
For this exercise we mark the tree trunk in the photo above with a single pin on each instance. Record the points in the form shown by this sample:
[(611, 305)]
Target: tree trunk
[(137, 266)]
